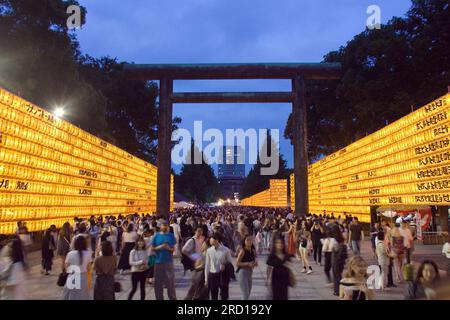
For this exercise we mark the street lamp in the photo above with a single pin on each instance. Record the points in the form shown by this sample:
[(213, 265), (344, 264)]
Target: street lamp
[(59, 112)]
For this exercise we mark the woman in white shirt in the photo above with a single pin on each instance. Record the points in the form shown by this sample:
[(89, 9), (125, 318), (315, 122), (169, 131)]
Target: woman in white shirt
[(383, 259), (139, 267), (329, 244), (12, 273), (128, 242), (78, 262)]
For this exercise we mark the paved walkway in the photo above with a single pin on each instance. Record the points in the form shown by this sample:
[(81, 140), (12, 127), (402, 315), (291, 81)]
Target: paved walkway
[(309, 287)]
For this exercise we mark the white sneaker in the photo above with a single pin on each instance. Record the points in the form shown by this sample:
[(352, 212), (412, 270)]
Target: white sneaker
[(303, 271), (309, 271)]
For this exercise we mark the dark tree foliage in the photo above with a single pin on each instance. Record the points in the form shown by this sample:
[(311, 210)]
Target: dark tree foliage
[(197, 181), (386, 73), (256, 182), (40, 60)]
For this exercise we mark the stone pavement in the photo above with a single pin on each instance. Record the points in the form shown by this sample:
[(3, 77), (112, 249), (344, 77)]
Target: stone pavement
[(309, 287)]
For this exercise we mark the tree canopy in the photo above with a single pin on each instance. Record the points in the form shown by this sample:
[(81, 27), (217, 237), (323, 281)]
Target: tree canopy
[(255, 181), (41, 61), (197, 181), (386, 73)]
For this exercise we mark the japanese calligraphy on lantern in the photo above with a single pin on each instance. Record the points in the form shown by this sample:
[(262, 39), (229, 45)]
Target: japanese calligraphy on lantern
[(52, 171), (406, 162)]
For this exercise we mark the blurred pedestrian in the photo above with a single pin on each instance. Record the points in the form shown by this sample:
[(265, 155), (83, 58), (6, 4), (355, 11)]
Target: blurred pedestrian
[(13, 271), (105, 268), (426, 280), (139, 267), (246, 262), (163, 244), (277, 260), (78, 262), (47, 250)]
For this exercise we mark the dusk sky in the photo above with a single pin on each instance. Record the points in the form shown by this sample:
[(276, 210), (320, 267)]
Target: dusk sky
[(227, 31)]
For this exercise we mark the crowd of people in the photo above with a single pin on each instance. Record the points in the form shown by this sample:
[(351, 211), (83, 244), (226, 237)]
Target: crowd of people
[(216, 245)]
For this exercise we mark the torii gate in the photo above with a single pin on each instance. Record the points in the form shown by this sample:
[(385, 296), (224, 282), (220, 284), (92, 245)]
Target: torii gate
[(297, 72)]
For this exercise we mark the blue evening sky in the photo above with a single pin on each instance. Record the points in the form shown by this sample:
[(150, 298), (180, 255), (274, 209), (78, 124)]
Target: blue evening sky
[(227, 31)]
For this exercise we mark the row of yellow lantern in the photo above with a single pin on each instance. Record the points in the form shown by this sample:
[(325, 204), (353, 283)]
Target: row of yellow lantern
[(406, 181), (41, 188), (429, 198), (63, 129), (36, 164), (274, 196), (14, 147), (278, 192), (391, 131), (398, 153), (407, 138), (43, 132), (407, 170), (16, 199), (42, 181), (62, 152)]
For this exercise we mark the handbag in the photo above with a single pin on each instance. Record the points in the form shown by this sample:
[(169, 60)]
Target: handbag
[(117, 286), (62, 279)]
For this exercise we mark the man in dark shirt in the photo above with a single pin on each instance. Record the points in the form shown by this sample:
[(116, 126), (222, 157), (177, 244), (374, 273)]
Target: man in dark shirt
[(356, 235)]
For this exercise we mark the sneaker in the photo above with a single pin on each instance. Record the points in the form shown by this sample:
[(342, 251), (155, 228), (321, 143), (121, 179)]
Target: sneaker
[(304, 270), (309, 271), (47, 273)]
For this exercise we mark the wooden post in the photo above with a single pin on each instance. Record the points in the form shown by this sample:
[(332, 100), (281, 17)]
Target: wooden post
[(164, 147), (300, 147)]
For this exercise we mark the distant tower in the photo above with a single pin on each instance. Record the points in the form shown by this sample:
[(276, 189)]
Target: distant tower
[(231, 173)]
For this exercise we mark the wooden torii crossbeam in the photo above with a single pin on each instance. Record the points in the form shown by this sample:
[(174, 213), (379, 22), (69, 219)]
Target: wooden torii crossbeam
[(296, 72)]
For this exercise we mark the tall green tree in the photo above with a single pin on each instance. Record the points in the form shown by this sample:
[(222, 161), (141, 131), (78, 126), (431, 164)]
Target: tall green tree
[(255, 181), (385, 72), (40, 60), (197, 181)]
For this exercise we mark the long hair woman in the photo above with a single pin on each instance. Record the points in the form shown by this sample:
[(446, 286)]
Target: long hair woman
[(105, 268), (14, 268), (305, 236), (63, 244), (78, 261), (128, 243), (48, 248), (353, 285), (246, 262), (424, 285), (277, 260), (292, 238), (139, 267)]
